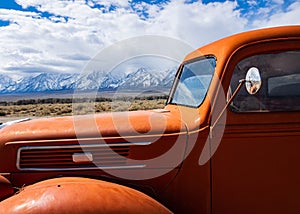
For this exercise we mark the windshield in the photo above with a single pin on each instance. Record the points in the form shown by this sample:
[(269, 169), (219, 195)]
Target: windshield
[(193, 82)]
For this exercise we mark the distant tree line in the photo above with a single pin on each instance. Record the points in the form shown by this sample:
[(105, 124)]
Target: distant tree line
[(80, 100)]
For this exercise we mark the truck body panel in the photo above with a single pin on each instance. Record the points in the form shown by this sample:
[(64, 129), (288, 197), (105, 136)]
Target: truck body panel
[(214, 148)]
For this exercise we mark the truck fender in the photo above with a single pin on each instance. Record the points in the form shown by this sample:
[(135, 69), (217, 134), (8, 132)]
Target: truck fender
[(6, 188), (79, 195)]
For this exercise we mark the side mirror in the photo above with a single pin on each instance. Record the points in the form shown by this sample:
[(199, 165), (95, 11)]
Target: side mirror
[(253, 80), (252, 83)]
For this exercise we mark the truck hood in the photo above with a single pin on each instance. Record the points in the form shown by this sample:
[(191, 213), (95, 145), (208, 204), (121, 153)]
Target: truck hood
[(153, 142), (103, 125)]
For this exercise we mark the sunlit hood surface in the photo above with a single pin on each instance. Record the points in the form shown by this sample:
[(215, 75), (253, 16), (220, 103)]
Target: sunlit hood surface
[(105, 125)]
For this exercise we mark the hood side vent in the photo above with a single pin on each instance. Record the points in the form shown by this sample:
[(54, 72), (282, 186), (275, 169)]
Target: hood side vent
[(75, 157)]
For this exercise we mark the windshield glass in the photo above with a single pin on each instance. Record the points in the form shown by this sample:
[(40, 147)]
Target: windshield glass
[(193, 82)]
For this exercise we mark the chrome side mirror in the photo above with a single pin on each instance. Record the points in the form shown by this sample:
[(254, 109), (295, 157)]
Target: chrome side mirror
[(252, 83), (253, 80)]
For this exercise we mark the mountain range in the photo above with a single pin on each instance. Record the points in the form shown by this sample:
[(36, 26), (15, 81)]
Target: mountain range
[(140, 79)]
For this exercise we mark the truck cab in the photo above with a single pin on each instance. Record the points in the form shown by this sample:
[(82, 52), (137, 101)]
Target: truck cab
[(227, 141)]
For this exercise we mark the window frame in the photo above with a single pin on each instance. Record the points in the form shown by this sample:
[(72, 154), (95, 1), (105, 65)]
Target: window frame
[(177, 80), (258, 48)]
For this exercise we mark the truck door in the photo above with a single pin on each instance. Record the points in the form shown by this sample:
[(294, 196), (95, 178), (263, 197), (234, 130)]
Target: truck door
[(256, 168)]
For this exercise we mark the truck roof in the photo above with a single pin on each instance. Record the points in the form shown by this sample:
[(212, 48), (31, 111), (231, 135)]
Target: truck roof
[(224, 47)]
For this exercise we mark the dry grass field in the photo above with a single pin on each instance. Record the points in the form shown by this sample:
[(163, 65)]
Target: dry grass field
[(16, 111)]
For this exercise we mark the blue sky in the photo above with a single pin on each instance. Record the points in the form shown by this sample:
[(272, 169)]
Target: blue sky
[(245, 6), (63, 35)]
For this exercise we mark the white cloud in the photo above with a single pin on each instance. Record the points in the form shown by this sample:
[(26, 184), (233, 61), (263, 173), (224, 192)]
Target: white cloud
[(252, 2), (198, 23), (280, 2), (76, 30), (289, 17)]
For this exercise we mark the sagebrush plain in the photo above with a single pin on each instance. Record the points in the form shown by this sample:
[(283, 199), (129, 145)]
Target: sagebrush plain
[(35, 109)]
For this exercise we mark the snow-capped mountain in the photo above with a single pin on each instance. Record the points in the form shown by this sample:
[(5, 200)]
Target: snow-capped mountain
[(47, 82), (88, 81), (144, 78), (111, 82), (6, 83), (141, 79), (43, 82)]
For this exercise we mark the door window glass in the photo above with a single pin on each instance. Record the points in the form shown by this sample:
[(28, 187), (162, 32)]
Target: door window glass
[(280, 91), (193, 82)]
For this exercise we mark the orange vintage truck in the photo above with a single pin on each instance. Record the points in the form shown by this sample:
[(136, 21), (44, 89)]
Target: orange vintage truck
[(227, 141)]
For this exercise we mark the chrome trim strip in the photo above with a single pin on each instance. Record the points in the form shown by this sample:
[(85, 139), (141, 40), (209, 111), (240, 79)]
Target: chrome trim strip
[(9, 123), (82, 147), (86, 146), (83, 168), (100, 138)]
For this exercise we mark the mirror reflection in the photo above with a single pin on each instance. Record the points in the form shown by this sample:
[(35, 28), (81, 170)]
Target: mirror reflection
[(253, 80)]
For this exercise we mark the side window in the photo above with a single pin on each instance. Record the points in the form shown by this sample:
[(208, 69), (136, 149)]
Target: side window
[(280, 91), (193, 82)]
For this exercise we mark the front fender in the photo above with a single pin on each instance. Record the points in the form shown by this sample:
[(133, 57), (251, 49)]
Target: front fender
[(6, 188), (80, 195)]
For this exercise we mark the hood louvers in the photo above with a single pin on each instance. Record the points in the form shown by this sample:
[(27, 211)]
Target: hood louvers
[(75, 157)]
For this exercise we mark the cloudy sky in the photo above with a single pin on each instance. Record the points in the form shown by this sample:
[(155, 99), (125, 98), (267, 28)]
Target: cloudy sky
[(63, 35)]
